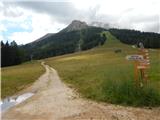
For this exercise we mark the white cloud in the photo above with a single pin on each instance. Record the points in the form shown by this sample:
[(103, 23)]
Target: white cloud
[(41, 24), (22, 37), (50, 17), (1, 37), (148, 26), (40, 27)]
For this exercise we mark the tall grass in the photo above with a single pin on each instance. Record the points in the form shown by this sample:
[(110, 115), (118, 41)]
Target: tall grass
[(127, 93), (16, 78)]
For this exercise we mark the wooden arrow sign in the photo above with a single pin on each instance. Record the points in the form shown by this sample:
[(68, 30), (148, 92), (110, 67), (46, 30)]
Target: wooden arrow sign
[(135, 57), (142, 67)]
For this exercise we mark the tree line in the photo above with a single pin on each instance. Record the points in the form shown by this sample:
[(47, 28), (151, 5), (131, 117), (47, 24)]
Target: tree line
[(133, 37), (10, 54), (54, 45), (92, 37), (65, 42), (70, 42)]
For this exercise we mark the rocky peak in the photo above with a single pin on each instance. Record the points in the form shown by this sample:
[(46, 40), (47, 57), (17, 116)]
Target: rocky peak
[(75, 25)]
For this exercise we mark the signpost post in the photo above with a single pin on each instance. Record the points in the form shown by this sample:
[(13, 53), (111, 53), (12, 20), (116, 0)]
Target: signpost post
[(141, 64)]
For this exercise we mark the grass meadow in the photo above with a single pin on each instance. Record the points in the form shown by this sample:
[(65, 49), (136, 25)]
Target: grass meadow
[(98, 74), (16, 78), (101, 74)]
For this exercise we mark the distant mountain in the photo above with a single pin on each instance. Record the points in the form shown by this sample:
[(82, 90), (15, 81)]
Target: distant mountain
[(77, 36), (43, 37), (75, 25)]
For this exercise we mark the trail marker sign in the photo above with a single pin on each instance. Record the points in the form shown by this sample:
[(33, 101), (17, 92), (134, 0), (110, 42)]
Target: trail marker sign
[(141, 64), (134, 57)]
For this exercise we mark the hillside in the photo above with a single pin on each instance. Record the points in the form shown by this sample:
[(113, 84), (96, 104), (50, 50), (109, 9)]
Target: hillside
[(90, 71), (75, 25), (43, 37), (52, 99), (102, 74), (99, 74), (16, 78), (76, 37), (133, 37)]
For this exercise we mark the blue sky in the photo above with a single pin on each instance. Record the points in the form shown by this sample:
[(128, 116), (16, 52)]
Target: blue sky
[(13, 26)]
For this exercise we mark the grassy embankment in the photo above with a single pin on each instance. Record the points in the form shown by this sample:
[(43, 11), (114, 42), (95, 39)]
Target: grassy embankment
[(16, 78), (101, 74)]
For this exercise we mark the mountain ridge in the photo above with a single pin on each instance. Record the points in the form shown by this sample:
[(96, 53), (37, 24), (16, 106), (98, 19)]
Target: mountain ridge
[(77, 36), (75, 25), (43, 37)]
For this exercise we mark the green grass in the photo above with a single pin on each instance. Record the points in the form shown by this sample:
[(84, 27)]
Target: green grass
[(126, 93), (16, 78), (101, 74)]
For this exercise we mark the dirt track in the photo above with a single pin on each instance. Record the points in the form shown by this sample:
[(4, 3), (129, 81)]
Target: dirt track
[(53, 100)]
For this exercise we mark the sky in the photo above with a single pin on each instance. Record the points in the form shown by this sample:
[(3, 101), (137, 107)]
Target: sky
[(27, 20)]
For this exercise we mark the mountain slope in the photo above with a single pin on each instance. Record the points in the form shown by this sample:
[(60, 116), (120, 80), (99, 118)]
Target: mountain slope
[(75, 25), (133, 37), (102, 74), (76, 37), (43, 37), (88, 72)]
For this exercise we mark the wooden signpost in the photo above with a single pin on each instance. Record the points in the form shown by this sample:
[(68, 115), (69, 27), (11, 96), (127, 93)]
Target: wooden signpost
[(141, 64)]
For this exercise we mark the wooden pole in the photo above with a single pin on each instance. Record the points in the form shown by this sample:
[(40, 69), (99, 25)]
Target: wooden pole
[(136, 73)]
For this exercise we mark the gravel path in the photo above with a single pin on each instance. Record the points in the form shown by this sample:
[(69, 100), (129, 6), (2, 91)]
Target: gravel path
[(53, 100)]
